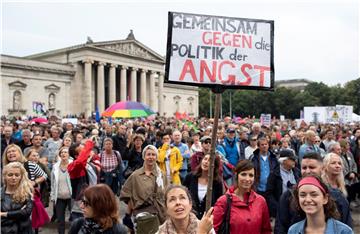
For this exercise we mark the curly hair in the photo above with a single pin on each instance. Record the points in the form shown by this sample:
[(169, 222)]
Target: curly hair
[(330, 208), (340, 181), (104, 205), (20, 158), (24, 189)]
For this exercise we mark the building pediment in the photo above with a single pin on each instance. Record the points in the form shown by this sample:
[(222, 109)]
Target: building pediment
[(17, 85), (52, 88), (130, 47)]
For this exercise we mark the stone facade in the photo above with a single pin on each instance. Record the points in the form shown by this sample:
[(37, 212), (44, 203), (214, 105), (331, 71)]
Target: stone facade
[(298, 84), (78, 79)]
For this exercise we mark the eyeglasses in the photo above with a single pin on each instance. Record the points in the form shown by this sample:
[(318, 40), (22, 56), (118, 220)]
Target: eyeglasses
[(207, 142), (84, 202), (317, 141)]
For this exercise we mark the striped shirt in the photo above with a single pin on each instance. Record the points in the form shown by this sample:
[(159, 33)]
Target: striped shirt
[(34, 171)]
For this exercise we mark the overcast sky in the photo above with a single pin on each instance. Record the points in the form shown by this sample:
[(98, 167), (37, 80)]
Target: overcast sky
[(316, 40)]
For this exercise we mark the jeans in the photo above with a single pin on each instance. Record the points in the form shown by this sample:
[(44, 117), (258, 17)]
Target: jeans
[(61, 205)]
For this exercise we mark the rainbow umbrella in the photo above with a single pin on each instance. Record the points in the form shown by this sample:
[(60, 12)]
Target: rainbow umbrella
[(128, 109)]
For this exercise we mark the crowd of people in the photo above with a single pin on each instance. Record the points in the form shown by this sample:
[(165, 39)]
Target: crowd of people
[(289, 177)]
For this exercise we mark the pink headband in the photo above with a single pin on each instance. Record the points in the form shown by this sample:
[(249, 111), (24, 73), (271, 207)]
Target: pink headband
[(312, 181)]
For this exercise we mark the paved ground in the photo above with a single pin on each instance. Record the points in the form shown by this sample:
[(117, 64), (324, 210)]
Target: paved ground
[(51, 228)]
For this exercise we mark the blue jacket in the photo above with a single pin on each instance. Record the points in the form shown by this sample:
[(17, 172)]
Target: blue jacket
[(233, 151), (286, 216), (185, 153), (332, 227)]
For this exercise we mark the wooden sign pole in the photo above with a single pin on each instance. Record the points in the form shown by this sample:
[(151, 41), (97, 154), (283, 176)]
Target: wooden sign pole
[(217, 92)]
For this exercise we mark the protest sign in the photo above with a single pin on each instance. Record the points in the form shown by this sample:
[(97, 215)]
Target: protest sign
[(210, 51), (74, 121), (345, 113), (39, 107), (328, 114), (265, 119), (339, 114)]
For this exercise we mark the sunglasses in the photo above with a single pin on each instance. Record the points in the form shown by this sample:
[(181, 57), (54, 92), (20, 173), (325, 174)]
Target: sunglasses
[(85, 203), (317, 141), (253, 139), (207, 142)]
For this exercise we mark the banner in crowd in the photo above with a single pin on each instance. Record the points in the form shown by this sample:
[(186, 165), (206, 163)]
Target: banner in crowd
[(39, 107), (74, 121), (205, 50), (328, 114), (265, 119), (339, 114)]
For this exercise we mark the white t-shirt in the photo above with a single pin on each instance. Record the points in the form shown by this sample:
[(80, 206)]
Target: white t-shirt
[(201, 191)]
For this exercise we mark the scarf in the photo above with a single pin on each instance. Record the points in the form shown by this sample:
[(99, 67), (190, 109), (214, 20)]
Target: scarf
[(90, 226), (169, 228)]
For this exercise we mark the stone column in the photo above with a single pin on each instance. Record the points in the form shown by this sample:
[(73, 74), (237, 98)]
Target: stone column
[(100, 87), (133, 82), (87, 108), (160, 94), (112, 84), (152, 90), (143, 86), (123, 85)]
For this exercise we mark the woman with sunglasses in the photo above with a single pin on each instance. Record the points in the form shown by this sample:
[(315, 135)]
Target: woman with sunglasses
[(311, 197), (101, 213), (249, 150)]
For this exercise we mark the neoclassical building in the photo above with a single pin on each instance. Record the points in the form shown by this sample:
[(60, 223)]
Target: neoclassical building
[(79, 78)]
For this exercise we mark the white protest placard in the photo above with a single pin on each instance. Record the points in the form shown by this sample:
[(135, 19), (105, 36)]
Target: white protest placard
[(205, 50), (315, 114), (74, 121), (265, 119), (345, 113)]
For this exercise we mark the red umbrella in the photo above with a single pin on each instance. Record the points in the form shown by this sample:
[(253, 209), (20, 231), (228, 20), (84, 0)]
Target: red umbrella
[(39, 120)]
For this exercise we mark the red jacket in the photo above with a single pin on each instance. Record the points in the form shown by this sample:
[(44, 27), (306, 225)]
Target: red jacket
[(250, 216), (77, 168)]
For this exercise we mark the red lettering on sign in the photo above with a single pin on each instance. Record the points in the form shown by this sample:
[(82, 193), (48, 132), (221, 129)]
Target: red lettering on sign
[(246, 74), (231, 78), (204, 68), (262, 73), (188, 68)]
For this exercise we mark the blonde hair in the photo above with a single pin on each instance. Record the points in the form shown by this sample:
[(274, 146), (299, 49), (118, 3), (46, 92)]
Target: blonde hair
[(340, 181), (20, 158), (29, 153), (309, 134), (25, 188)]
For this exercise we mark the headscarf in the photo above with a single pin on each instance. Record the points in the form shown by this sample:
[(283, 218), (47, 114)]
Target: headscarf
[(159, 180)]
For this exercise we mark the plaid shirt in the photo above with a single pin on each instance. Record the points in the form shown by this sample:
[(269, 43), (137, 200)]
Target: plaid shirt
[(109, 163)]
